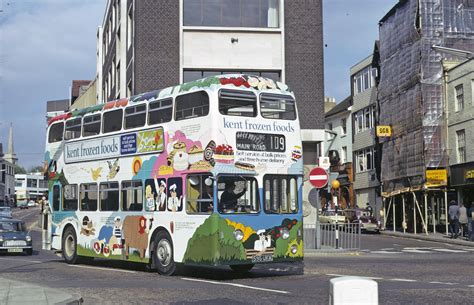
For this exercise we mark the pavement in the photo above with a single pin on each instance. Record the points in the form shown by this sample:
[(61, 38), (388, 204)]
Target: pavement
[(19, 293), (436, 237)]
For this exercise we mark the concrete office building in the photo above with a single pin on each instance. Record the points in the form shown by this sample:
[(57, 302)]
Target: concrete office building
[(147, 45), (32, 185)]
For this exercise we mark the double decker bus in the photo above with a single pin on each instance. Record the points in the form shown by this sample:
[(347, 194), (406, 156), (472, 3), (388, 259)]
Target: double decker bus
[(208, 172)]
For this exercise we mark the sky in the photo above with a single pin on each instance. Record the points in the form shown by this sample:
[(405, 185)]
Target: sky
[(45, 44)]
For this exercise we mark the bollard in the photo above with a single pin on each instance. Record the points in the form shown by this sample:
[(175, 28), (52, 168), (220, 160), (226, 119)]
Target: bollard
[(353, 290)]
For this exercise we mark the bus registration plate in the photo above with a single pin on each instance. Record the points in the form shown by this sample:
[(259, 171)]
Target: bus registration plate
[(262, 258), (15, 250)]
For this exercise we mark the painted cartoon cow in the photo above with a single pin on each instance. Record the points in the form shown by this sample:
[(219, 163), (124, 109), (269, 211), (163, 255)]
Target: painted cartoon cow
[(135, 233)]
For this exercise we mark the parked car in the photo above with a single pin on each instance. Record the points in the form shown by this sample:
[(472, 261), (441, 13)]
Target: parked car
[(368, 223), (31, 204), (5, 212), (329, 216), (14, 237), (22, 204)]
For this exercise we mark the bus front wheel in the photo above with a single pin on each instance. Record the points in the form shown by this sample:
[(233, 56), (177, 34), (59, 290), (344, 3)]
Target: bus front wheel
[(69, 246), (163, 254)]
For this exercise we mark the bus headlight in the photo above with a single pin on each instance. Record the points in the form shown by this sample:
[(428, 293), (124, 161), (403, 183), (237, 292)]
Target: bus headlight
[(294, 249), (238, 235), (28, 238), (285, 233)]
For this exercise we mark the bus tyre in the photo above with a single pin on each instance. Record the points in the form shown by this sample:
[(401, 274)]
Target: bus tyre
[(69, 246), (163, 254), (242, 268)]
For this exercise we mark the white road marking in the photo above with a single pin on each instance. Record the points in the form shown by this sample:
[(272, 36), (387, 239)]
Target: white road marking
[(387, 249), (471, 286), (444, 283), (468, 249), (22, 260), (415, 251), (385, 252), (449, 250), (235, 285), (101, 268), (402, 280)]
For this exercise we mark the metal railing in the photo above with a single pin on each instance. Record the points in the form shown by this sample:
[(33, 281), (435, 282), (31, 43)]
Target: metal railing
[(348, 236)]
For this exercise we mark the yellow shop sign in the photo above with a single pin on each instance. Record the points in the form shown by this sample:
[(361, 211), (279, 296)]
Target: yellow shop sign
[(469, 174), (436, 177), (384, 131)]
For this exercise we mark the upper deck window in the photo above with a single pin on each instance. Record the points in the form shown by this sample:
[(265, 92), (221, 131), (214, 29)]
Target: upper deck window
[(274, 106), (91, 125), (160, 111), (135, 116), (113, 121), (56, 133), (192, 105), (73, 129), (232, 13), (237, 103)]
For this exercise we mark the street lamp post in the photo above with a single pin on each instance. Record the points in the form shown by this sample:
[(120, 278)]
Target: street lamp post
[(335, 186)]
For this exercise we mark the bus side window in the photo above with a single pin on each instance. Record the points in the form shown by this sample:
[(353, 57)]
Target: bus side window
[(191, 105), (73, 129), (112, 121), (70, 193), (88, 196), (56, 198), (91, 125), (160, 111), (135, 116), (109, 196), (56, 132), (199, 194), (237, 103), (276, 106), (132, 195)]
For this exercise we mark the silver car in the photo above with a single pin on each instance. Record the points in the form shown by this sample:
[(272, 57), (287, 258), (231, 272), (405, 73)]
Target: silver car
[(5, 212)]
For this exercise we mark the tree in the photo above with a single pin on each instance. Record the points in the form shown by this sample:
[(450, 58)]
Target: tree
[(36, 169), (19, 169)]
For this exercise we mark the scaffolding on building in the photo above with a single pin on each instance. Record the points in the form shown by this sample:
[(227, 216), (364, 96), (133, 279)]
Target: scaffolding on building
[(411, 99)]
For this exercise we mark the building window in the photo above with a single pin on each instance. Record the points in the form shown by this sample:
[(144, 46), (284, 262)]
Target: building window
[(364, 119), (231, 13), (329, 126), (192, 75), (459, 97), (129, 27), (344, 154), (461, 145), (343, 127), (129, 88), (365, 160), (364, 80)]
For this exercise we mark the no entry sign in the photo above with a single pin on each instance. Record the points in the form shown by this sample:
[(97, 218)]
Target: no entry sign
[(318, 177)]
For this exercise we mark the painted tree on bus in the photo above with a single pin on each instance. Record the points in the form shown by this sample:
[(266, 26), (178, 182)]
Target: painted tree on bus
[(214, 241)]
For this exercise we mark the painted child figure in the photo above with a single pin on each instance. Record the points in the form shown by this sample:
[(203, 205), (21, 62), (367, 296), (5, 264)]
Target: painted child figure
[(150, 199)]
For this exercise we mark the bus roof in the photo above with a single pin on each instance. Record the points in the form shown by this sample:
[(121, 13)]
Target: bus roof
[(237, 80)]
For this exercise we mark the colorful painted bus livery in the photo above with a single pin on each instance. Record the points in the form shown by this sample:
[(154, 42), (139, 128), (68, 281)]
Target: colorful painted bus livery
[(208, 172)]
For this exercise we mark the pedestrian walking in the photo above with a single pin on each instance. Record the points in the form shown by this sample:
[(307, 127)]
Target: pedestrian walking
[(453, 219), (463, 219)]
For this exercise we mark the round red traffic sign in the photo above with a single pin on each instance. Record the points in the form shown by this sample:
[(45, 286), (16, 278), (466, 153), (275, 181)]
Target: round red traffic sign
[(318, 177)]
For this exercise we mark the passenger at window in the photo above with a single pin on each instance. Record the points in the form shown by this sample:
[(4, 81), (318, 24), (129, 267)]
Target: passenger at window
[(228, 202)]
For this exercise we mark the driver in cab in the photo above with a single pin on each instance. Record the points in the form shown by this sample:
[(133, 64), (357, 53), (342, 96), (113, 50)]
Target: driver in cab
[(228, 202)]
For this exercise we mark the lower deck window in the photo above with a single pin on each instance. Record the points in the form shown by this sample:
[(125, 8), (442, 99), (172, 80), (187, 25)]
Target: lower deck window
[(238, 194), (88, 196), (70, 193), (56, 198), (132, 196), (199, 194), (109, 196), (281, 194)]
